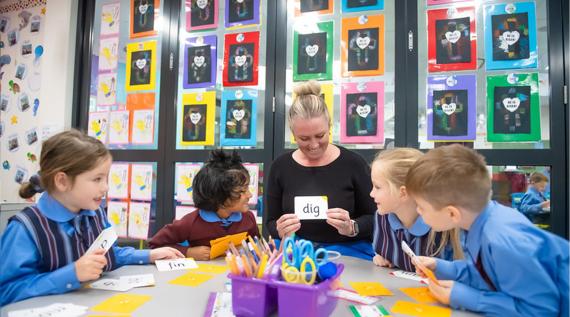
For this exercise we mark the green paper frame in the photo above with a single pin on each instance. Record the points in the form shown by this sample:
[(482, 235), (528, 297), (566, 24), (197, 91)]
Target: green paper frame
[(312, 28), (514, 80)]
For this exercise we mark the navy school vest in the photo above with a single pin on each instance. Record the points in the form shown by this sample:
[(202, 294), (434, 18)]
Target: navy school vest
[(57, 247)]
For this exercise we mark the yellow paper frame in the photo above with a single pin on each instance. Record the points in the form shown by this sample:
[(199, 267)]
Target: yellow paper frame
[(137, 47), (354, 24), (198, 98), (327, 90)]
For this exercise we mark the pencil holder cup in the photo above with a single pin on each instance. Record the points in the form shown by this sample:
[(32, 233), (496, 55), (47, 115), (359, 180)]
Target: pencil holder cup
[(252, 296)]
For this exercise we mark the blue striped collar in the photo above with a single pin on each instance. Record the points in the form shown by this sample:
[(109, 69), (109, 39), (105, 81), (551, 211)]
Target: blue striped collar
[(418, 229), (56, 211), (212, 216)]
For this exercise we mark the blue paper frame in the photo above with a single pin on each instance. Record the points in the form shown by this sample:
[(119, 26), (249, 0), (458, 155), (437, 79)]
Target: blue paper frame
[(230, 95), (499, 9), (378, 6), (212, 41)]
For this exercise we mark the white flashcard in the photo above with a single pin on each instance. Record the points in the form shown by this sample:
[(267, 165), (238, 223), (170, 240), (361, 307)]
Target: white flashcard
[(176, 264), (410, 276), (141, 280), (105, 240), (57, 309), (408, 250), (109, 284), (311, 207), (353, 296)]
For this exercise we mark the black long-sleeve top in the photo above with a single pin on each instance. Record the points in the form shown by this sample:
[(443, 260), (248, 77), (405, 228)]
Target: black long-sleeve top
[(345, 181)]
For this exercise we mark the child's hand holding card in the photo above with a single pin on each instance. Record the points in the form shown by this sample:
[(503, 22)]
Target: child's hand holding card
[(418, 264)]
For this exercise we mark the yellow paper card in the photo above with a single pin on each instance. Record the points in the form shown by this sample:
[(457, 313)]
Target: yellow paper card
[(420, 294), (198, 114), (220, 246), (121, 303), (370, 289), (420, 310), (211, 268), (191, 279), (109, 316)]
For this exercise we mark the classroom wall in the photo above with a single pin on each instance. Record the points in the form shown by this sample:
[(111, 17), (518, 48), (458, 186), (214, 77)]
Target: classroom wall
[(49, 80)]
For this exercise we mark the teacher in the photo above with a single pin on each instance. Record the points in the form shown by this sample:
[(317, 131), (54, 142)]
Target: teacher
[(318, 168)]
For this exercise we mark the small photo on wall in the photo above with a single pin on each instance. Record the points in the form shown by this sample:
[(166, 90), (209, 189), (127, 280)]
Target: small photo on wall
[(3, 24), (362, 46), (451, 108), (110, 14), (144, 14), (241, 59), (362, 113), (242, 12), (362, 5), (317, 7), (313, 52), (201, 14), (239, 115), (510, 36), (141, 66), (452, 42), (513, 108), (200, 62), (198, 113)]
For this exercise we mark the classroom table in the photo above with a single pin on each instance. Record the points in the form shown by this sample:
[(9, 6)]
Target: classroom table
[(173, 300)]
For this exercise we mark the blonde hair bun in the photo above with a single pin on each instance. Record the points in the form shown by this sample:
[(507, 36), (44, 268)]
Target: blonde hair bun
[(309, 88)]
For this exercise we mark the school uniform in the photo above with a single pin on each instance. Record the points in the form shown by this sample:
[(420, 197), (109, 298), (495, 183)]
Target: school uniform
[(531, 202), (389, 234), (512, 268), (198, 228), (41, 243)]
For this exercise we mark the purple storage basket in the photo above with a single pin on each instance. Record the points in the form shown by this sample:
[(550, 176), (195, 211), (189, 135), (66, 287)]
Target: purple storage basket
[(252, 297), (299, 300)]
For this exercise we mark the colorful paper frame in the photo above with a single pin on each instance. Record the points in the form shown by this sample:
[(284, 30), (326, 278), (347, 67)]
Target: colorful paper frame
[(140, 74), (299, 4), (349, 89), (353, 49), (147, 31), (211, 15), (200, 102), (494, 83), (254, 19), (379, 5), (323, 71), (464, 87), (230, 118), (195, 62), (439, 50), (232, 72), (493, 41)]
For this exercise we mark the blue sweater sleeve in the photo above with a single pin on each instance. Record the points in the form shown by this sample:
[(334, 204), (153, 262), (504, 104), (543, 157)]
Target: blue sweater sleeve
[(20, 276), (531, 204)]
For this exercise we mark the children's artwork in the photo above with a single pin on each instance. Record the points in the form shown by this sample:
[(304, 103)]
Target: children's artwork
[(328, 96), (121, 303), (143, 127), (24, 102), (13, 36), (451, 108), (201, 14), (144, 14), (239, 118), (117, 214), (119, 181), (107, 92), (510, 36), (185, 173), (513, 108), (242, 12), (20, 71), (141, 181), (312, 7), (31, 136), (110, 14), (436, 2), (241, 53), (182, 211), (141, 66), (362, 5), (35, 24), (98, 125), (108, 53), (313, 51), (200, 62), (419, 310), (139, 220), (362, 113), (198, 113), (253, 170), (119, 127), (362, 52), (452, 39)]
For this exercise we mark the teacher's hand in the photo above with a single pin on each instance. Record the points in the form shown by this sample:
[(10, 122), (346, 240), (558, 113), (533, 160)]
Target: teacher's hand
[(340, 219), (287, 225)]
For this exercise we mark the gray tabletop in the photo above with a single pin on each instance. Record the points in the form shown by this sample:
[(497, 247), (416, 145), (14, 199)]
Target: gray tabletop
[(174, 300)]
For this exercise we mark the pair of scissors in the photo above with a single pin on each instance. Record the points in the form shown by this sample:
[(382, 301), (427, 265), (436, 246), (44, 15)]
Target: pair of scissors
[(301, 261)]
